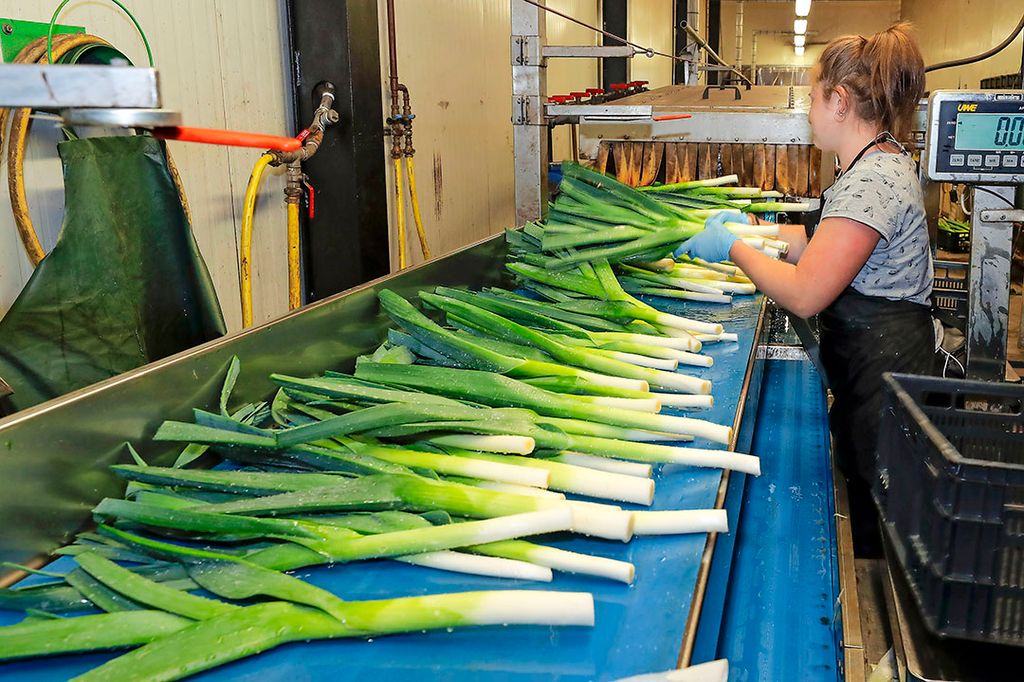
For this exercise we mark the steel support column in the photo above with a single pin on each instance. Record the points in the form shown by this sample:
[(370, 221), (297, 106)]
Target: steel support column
[(529, 128), (347, 242), (685, 13), (989, 290)]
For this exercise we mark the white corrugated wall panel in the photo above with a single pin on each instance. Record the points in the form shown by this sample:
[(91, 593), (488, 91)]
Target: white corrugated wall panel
[(454, 57), (221, 65)]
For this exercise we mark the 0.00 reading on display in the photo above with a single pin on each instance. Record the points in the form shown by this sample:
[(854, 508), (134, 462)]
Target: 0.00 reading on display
[(990, 131)]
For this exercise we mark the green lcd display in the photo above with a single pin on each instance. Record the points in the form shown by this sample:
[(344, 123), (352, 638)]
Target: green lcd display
[(990, 132)]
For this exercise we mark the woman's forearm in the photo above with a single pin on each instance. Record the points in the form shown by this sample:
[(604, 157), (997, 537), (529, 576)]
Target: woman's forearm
[(778, 280), (828, 264)]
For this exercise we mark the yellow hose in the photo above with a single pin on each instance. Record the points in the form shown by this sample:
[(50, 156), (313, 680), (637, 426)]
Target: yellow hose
[(420, 232), (294, 277), (400, 213), (245, 252)]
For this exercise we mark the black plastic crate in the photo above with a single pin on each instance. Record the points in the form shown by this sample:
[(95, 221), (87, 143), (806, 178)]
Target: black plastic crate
[(951, 492), (958, 608)]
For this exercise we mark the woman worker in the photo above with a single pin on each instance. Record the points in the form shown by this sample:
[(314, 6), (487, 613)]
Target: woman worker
[(867, 271)]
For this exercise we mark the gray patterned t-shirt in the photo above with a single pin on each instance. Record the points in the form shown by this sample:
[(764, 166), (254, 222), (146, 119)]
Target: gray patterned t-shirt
[(882, 191)]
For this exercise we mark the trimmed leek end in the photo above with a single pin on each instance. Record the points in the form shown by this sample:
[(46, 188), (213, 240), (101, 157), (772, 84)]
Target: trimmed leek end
[(584, 564), (528, 607), (686, 401), (680, 522)]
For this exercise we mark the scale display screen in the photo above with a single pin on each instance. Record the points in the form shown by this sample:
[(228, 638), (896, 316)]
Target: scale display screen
[(975, 136), (990, 132)]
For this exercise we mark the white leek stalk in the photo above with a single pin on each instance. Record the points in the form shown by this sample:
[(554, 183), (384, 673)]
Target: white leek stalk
[(560, 559), (495, 567), (685, 401), (615, 466), (748, 230), (511, 445), (679, 522)]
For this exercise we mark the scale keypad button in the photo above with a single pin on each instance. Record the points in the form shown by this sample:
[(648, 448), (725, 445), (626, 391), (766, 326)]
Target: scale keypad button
[(956, 159), (974, 159), (991, 159), (1010, 161)]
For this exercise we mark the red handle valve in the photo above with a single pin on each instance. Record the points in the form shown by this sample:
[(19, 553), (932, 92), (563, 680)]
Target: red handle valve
[(560, 99), (579, 95), (595, 91), (619, 86)]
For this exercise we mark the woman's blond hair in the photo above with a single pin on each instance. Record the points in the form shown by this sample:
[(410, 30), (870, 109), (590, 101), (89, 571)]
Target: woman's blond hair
[(884, 75)]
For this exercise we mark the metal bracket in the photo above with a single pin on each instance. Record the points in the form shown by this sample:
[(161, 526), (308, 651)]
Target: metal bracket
[(526, 51), (1002, 215), (527, 110), (60, 86)]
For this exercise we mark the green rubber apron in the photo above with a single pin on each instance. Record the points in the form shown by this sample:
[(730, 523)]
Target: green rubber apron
[(125, 284)]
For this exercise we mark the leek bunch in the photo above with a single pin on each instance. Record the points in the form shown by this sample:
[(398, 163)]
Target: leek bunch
[(595, 217)]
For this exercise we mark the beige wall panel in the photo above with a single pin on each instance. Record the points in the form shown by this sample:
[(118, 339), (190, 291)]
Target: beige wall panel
[(454, 57), (950, 29), (650, 24), (221, 65), (827, 20)]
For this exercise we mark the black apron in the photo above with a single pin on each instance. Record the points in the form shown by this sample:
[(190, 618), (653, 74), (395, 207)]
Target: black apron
[(862, 337)]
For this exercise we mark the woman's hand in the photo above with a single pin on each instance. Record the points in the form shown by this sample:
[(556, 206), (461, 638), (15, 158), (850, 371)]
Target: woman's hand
[(715, 241)]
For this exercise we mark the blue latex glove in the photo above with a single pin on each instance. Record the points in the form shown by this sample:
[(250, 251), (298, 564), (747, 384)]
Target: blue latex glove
[(714, 241)]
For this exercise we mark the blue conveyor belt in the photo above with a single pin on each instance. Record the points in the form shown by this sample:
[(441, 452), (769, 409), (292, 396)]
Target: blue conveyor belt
[(781, 604), (639, 628)]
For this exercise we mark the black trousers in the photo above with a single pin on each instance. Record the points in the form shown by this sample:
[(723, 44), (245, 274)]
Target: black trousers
[(862, 337)]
